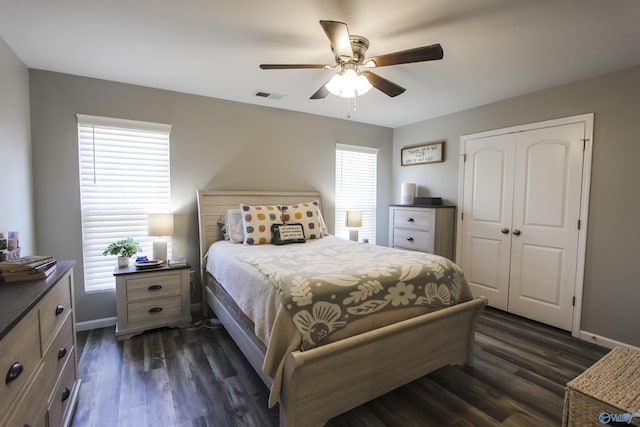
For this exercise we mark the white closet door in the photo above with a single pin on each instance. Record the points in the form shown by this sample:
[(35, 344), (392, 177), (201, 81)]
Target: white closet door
[(488, 200), (546, 209)]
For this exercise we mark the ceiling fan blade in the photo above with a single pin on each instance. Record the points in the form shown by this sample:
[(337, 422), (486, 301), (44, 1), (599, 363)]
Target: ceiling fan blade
[(383, 85), (320, 93), (291, 66), (418, 54), (338, 35)]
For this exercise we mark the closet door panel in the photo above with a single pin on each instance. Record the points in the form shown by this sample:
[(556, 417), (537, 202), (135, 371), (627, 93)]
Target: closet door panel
[(546, 209), (488, 199)]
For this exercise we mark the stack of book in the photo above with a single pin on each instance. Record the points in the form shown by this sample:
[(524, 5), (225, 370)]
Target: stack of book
[(178, 262), (34, 267)]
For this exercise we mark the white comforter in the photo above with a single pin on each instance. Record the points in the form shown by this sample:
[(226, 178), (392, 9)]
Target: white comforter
[(251, 289)]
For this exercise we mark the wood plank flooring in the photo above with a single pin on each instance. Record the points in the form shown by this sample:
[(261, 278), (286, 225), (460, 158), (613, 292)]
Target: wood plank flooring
[(181, 377)]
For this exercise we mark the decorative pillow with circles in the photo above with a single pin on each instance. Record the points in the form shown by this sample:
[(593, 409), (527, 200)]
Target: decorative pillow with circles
[(305, 214), (257, 221)]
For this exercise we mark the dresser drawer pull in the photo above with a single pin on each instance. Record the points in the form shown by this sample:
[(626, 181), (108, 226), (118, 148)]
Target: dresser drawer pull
[(409, 239), (59, 309), (14, 372), (65, 394), (62, 352), (410, 220), (155, 310), (154, 287)]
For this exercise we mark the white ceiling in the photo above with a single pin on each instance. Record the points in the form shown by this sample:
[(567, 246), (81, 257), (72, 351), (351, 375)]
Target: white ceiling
[(494, 49)]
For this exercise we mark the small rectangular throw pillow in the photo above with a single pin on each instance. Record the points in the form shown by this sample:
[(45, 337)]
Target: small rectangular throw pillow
[(257, 221), (235, 225), (305, 214), (287, 233)]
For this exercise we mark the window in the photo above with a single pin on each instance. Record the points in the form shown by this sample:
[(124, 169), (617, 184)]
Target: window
[(124, 176), (356, 185)]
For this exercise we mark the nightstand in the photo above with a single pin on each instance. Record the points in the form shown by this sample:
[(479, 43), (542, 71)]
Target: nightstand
[(151, 298)]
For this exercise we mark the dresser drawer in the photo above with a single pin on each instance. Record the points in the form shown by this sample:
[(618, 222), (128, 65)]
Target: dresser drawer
[(413, 239), (32, 408), (58, 354), (62, 393), (419, 218), (54, 309), (19, 358), (153, 285), (154, 310)]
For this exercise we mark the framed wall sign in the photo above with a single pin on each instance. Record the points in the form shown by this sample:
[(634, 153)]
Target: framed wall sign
[(432, 152)]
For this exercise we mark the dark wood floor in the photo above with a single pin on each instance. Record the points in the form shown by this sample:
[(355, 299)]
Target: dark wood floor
[(181, 377)]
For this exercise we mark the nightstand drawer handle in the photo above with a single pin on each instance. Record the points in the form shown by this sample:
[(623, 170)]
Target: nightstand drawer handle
[(155, 310), (65, 394), (409, 239), (410, 219), (59, 309), (62, 352), (154, 287), (14, 372)]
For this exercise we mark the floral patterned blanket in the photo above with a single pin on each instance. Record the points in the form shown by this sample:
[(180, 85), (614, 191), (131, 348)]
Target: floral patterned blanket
[(325, 288)]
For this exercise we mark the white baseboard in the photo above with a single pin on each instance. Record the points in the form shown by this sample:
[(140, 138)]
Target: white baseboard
[(95, 324), (604, 341)]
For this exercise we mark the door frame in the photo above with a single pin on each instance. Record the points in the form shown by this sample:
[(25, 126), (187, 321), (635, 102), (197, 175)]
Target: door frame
[(587, 119)]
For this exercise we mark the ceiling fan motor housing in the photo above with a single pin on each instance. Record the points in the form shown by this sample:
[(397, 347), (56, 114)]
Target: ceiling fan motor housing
[(359, 46)]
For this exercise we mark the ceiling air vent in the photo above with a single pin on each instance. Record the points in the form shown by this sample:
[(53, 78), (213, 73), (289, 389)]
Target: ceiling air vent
[(269, 95)]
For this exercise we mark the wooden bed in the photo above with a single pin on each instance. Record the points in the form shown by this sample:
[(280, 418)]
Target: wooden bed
[(386, 358)]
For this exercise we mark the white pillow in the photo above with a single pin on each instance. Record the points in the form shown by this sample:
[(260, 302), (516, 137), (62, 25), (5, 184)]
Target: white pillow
[(235, 229)]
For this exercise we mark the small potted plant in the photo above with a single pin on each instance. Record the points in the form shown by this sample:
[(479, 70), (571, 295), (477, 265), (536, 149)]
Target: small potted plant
[(124, 249)]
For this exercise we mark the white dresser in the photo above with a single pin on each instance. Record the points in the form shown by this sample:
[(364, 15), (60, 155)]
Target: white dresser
[(423, 228), (38, 351)]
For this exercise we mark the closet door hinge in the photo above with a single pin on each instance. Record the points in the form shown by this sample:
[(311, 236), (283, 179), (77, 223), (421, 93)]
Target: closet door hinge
[(584, 143), (579, 224), (573, 302), (461, 216), (464, 157)]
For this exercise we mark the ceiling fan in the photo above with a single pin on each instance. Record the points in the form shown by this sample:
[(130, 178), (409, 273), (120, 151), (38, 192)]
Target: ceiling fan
[(349, 51)]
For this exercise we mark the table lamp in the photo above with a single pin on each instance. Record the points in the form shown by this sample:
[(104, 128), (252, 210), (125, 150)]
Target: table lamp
[(160, 225), (353, 220)]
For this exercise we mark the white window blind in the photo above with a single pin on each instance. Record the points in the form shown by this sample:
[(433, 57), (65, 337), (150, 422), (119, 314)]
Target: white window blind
[(356, 188), (124, 176)]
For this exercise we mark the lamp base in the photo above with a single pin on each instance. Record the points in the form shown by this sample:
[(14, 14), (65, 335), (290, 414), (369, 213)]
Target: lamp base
[(353, 234), (160, 250)]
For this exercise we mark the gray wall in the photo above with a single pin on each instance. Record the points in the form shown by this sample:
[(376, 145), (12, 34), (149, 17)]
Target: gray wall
[(611, 288), (16, 196), (215, 144)]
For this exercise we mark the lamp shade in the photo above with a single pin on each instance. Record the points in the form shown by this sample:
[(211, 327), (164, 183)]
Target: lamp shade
[(160, 224), (407, 193), (353, 219)]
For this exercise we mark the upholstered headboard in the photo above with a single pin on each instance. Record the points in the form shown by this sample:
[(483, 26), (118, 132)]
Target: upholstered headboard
[(212, 204)]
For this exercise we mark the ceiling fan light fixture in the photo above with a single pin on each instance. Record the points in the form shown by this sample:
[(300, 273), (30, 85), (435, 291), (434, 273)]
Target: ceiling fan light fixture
[(348, 84)]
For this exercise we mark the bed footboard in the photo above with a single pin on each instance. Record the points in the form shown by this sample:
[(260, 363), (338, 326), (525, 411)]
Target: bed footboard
[(326, 381)]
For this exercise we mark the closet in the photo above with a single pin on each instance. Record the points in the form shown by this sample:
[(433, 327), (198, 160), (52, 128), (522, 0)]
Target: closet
[(522, 226)]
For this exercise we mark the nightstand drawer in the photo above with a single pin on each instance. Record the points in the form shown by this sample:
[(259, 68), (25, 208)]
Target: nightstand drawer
[(419, 218), (155, 310), (413, 239), (153, 286)]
